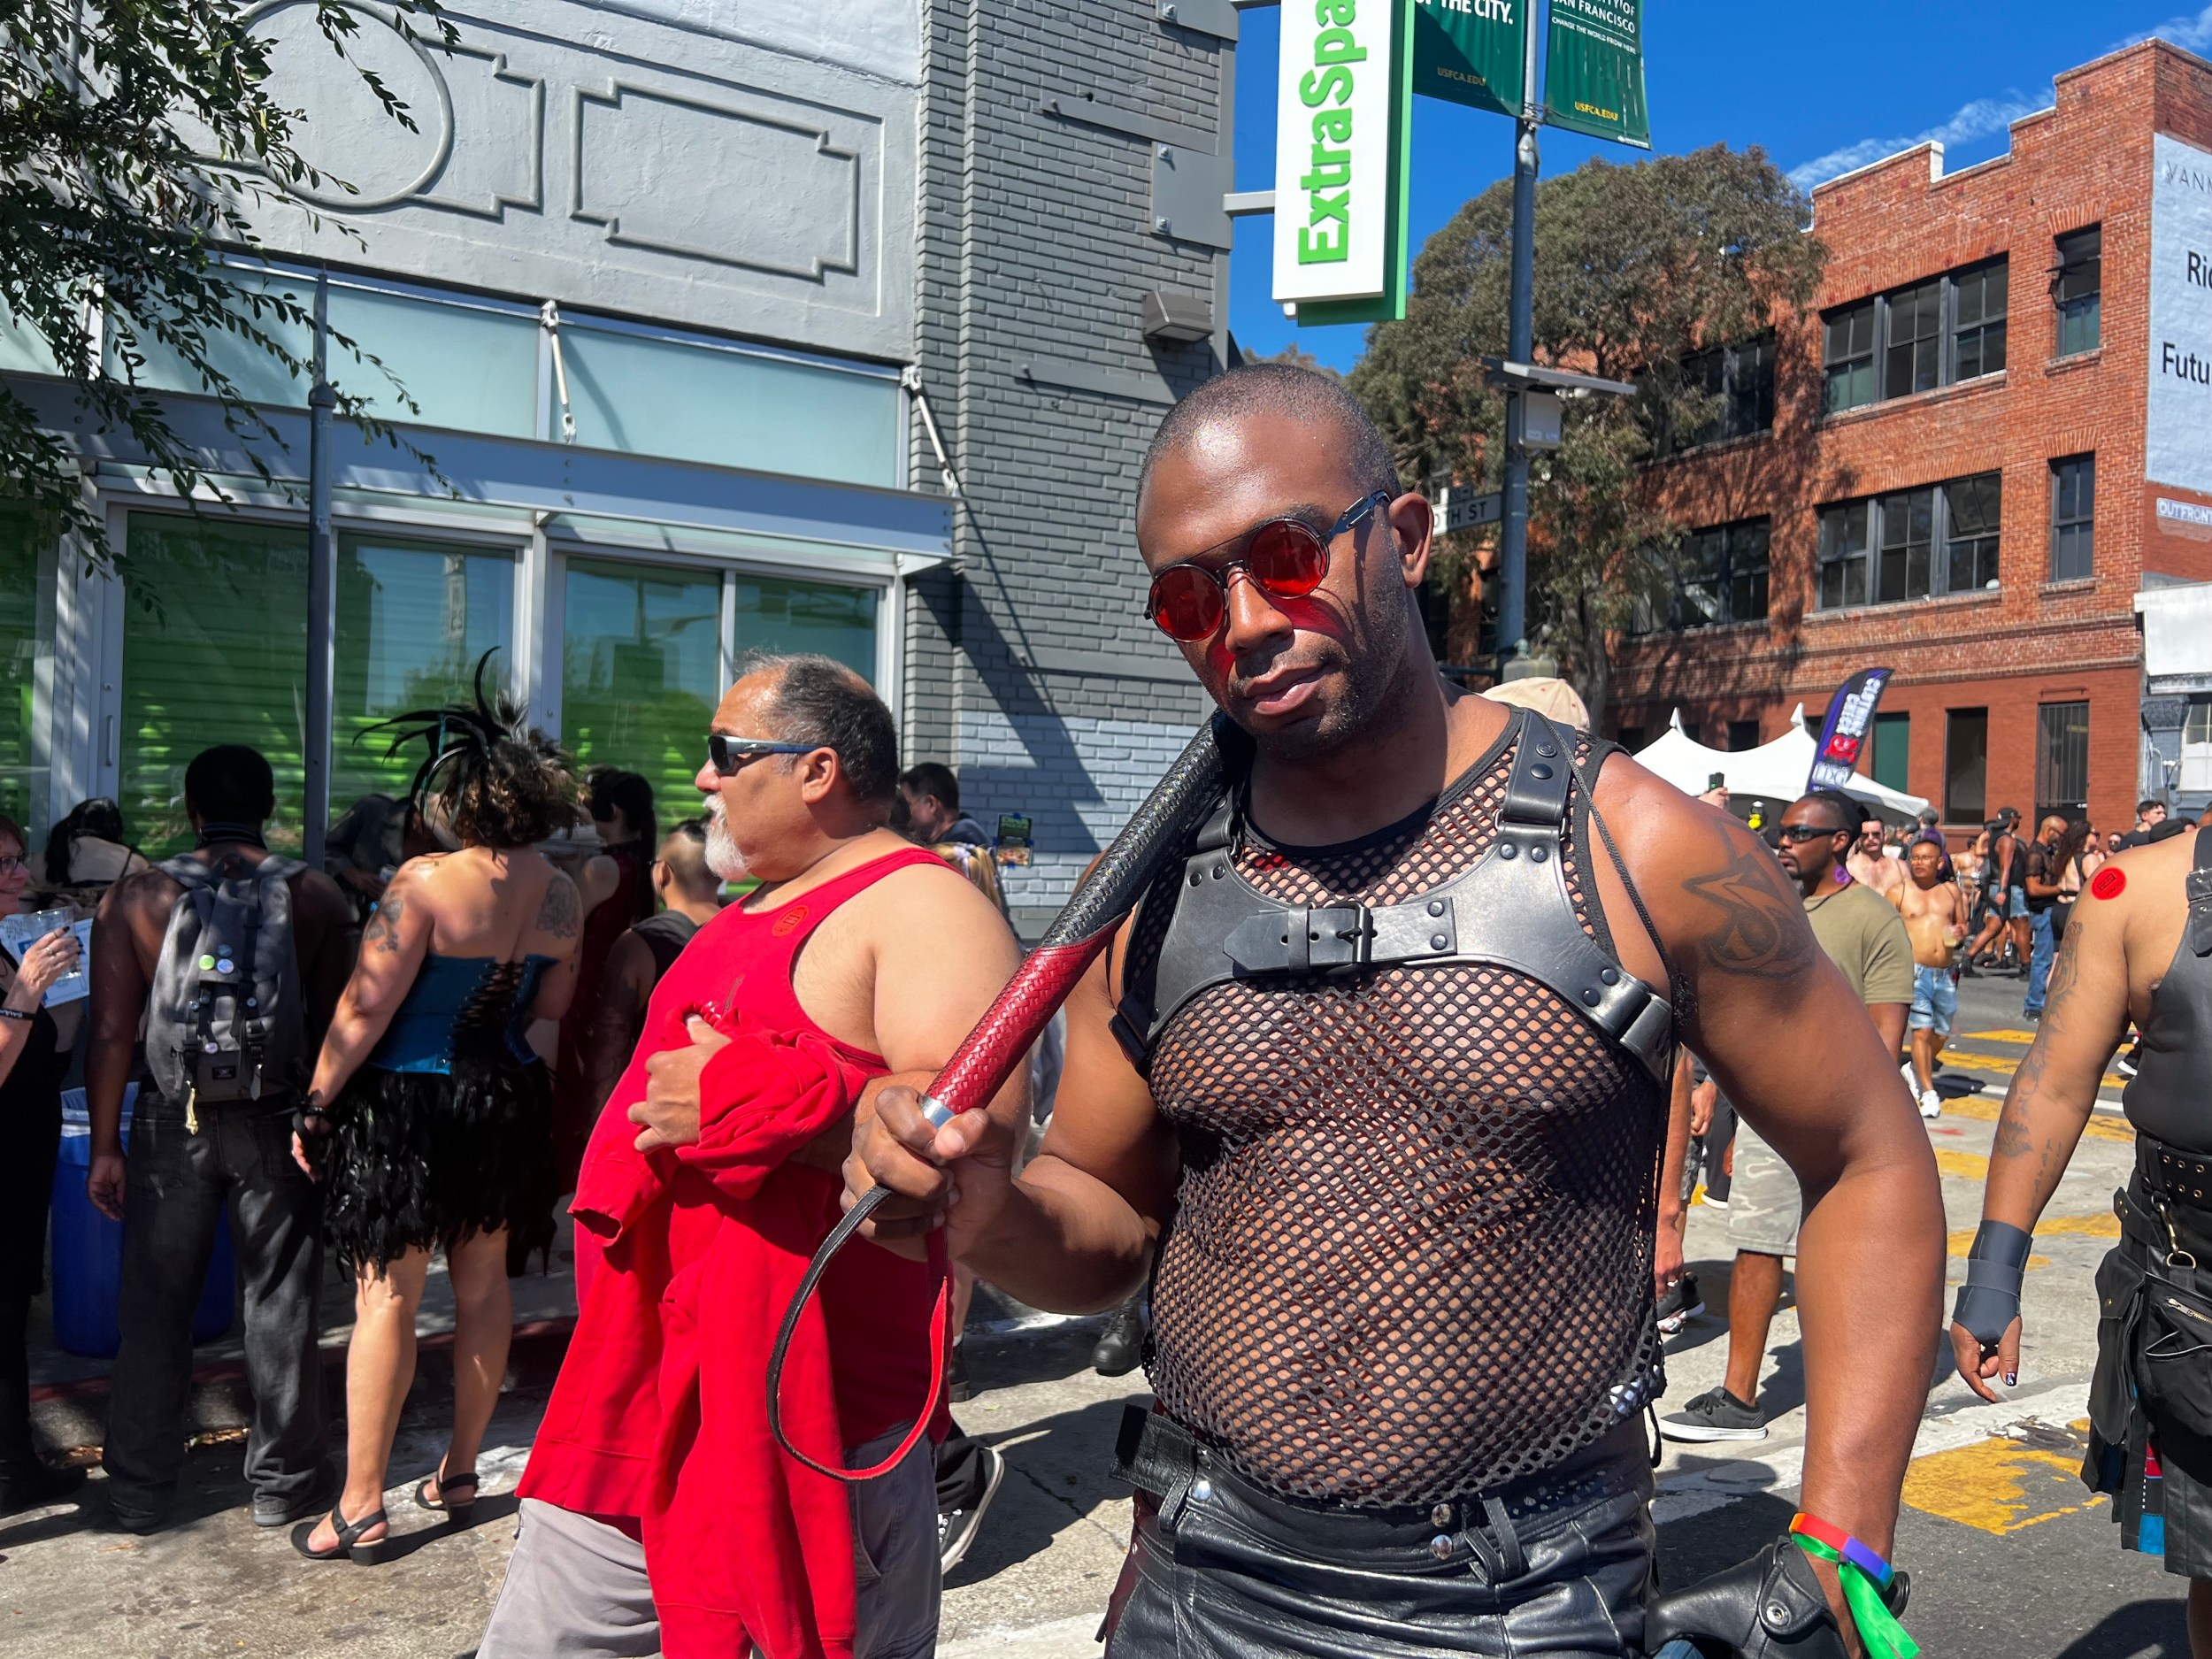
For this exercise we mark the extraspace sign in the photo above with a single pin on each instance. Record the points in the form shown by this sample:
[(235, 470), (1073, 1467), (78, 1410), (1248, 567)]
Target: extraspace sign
[(1340, 163)]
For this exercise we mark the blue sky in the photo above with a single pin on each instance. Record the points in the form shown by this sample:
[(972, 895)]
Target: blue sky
[(1823, 87)]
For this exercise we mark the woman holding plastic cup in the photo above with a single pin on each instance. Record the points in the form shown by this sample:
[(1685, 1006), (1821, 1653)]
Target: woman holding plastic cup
[(31, 1061)]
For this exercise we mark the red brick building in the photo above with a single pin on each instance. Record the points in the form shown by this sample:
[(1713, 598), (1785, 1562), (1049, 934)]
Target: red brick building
[(1952, 477)]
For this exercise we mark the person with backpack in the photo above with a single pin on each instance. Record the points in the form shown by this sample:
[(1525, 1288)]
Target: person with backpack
[(430, 1114), (233, 957)]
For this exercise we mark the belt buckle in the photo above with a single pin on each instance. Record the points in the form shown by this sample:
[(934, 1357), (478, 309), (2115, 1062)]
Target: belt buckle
[(1360, 935)]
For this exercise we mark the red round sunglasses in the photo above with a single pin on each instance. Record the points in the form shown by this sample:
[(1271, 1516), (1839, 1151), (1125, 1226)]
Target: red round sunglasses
[(1288, 557)]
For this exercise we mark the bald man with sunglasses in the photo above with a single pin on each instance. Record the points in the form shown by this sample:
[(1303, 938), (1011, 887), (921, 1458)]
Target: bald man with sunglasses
[(1388, 1043)]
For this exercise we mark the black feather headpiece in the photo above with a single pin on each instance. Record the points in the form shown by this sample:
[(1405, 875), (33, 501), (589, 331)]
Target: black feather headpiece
[(461, 737)]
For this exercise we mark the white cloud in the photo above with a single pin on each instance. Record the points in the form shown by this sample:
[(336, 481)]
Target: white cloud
[(2191, 31), (1976, 119)]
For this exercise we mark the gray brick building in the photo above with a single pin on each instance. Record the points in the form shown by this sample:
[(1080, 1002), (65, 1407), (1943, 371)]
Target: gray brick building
[(681, 288)]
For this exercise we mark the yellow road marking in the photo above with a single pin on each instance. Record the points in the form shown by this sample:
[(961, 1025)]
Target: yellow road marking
[(1999, 1036), (2104, 1227), (1965, 1166), (1998, 1486), (2117, 1130), (2005, 1066)]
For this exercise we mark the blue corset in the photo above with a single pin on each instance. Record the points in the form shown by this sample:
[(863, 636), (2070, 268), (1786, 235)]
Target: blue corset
[(463, 1003)]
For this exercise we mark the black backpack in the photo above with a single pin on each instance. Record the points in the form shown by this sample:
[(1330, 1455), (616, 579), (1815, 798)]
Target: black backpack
[(224, 1023)]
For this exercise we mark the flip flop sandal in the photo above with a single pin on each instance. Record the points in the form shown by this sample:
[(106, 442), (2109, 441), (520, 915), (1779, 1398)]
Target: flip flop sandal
[(348, 1546), (445, 1503)]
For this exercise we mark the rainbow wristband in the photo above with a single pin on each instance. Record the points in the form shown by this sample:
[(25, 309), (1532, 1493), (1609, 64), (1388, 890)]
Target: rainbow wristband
[(1865, 1575)]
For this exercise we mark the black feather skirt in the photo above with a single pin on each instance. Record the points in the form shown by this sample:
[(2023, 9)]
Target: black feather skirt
[(424, 1158)]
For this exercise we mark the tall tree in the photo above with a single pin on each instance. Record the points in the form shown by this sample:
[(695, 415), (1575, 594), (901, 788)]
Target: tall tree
[(136, 137), (1638, 268)]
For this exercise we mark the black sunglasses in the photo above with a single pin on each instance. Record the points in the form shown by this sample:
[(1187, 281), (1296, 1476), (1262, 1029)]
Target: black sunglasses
[(1796, 833), (731, 755)]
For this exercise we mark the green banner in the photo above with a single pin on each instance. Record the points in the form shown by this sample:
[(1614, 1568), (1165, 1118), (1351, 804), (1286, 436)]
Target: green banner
[(1471, 51), (1594, 82)]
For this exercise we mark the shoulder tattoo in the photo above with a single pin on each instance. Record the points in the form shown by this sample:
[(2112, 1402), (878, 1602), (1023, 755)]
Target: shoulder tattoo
[(383, 928), (560, 914), (1756, 921)]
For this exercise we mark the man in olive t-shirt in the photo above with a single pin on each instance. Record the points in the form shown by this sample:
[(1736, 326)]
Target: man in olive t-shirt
[(1862, 933)]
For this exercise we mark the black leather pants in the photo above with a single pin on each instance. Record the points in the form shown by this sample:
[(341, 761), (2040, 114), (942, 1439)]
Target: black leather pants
[(1556, 1566)]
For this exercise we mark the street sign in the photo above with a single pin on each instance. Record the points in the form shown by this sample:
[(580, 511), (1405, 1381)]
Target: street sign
[(1463, 511), (1471, 52), (1594, 81), (1342, 135)]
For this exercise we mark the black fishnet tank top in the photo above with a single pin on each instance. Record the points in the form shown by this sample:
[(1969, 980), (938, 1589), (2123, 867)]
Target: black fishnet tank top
[(1411, 1254)]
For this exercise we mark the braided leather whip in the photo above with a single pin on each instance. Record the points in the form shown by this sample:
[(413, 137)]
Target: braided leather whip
[(1002, 1037)]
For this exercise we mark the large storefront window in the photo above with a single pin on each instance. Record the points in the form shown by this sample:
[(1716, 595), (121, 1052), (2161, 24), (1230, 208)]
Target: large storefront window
[(214, 651), (26, 649), (793, 617), (641, 671), (413, 617)]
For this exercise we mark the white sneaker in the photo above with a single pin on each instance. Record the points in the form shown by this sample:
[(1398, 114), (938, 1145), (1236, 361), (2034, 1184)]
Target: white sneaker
[(1905, 1072), (1930, 1104)]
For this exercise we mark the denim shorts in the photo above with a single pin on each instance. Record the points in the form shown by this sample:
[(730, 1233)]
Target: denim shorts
[(2016, 903), (1935, 1000)]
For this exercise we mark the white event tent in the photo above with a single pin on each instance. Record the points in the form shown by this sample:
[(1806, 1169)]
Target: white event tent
[(1774, 773)]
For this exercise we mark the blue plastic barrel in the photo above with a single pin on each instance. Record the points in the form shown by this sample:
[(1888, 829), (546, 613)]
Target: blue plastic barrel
[(88, 1255)]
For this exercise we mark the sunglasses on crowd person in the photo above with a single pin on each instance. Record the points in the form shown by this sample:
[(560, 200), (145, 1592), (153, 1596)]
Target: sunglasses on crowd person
[(1287, 558), (731, 755)]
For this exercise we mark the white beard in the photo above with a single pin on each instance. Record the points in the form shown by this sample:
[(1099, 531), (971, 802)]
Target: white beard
[(722, 854)]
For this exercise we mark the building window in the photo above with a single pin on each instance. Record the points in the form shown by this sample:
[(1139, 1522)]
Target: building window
[(1948, 329), (1723, 576), (1739, 379), (1843, 555), (1904, 528), (413, 617), (2061, 759), (1630, 738), (2196, 747), (2073, 515), (641, 668), (1913, 361), (1908, 543), (1966, 766), (1892, 763), (1848, 356), (214, 651), (1743, 734), (2077, 289), (26, 653), (1978, 320), (1971, 508)]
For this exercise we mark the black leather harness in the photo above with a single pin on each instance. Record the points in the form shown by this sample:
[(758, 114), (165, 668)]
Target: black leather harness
[(1511, 910)]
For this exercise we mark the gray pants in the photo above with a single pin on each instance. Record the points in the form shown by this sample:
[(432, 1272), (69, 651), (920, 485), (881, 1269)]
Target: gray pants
[(177, 1185), (576, 1588)]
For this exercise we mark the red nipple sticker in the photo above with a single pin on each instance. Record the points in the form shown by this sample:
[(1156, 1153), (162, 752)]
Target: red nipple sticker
[(2108, 883)]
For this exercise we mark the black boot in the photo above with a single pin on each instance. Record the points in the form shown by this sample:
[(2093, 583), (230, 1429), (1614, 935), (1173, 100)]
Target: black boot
[(25, 1482), (1121, 1344)]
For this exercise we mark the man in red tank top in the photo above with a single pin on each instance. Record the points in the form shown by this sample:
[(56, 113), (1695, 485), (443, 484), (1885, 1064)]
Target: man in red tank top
[(658, 1516)]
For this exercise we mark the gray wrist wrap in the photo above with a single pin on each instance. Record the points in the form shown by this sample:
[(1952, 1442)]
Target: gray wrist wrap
[(1990, 1299)]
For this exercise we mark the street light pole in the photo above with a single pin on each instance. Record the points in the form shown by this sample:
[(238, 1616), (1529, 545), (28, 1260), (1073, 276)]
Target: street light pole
[(322, 591), (1520, 348)]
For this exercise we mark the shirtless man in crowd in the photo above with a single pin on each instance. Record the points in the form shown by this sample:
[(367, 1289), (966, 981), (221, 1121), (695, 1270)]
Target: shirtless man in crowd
[(1934, 912), (1870, 863)]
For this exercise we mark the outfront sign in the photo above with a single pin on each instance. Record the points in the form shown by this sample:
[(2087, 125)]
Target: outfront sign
[(1340, 131), (2177, 436), (1471, 51), (1593, 78)]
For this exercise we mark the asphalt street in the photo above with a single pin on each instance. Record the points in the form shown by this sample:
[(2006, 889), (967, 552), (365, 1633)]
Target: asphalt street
[(2011, 1557)]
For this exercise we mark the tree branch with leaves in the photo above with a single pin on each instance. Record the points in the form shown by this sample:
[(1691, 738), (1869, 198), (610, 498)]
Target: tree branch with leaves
[(1638, 268), (137, 137)]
